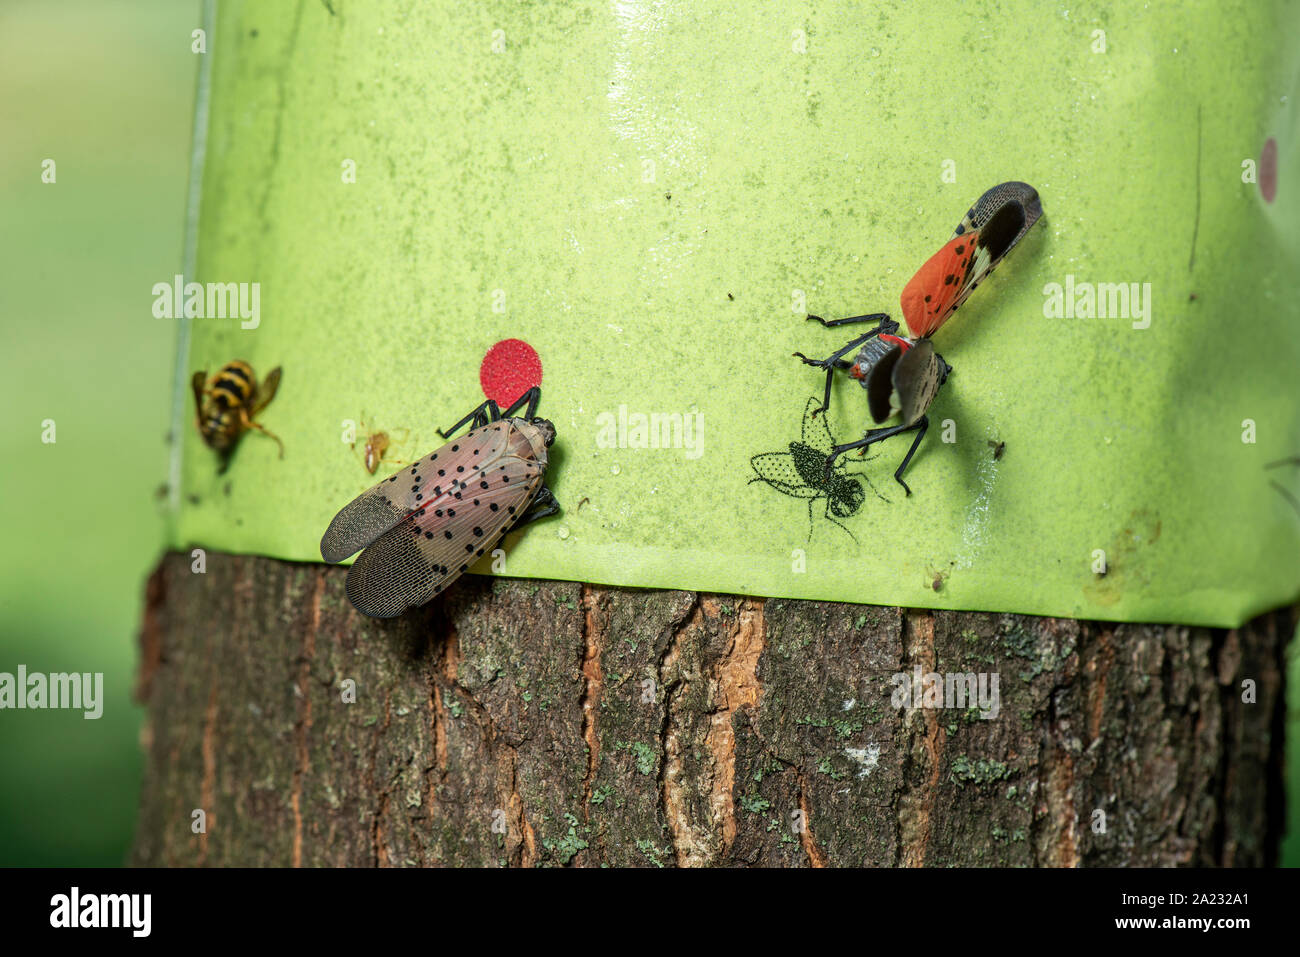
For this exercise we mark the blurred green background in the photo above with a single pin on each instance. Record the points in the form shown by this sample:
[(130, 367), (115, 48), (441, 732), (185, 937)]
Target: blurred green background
[(107, 91)]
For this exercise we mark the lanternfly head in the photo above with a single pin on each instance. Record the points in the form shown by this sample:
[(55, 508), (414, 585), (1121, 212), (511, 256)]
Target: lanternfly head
[(546, 428)]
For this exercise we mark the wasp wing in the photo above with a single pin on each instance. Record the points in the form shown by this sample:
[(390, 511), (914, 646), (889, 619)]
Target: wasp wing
[(199, 382), (265, 392), (375, 512), (428, 550), (990, 229)]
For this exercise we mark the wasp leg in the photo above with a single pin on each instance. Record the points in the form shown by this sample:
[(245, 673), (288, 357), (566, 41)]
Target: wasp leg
[(250, 424), (882, 317), (266, 391), (879, 435), (383, 460), (543, 505), (483, 414), (866, 478)]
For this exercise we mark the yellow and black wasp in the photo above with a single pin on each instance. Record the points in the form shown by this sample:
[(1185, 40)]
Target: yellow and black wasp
[(227, 403)]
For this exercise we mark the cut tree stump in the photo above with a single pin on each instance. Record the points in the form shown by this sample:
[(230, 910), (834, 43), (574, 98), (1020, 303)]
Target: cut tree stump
[(516, 722)]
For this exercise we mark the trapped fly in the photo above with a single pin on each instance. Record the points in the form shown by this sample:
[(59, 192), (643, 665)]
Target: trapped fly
[(801, 472)]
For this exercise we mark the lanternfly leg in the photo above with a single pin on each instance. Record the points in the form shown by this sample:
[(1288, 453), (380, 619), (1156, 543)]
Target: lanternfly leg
[(920, 425), (489, 411), (481, 416), (529, 398), (836, 359), (883, 317), (832, 362), (877, 435), (544, 504)]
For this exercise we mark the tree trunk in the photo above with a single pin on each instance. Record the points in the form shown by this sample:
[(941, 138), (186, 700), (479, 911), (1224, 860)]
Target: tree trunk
[(547, 723)]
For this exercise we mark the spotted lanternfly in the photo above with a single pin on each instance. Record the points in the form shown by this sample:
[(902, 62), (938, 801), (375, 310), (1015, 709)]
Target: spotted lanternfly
[(226, 404), (423, 527), (902, 375), (801, 472)]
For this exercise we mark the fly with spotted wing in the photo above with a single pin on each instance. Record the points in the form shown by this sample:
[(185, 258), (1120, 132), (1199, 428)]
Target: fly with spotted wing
[(423, 527), (902, 375), (801, 472)]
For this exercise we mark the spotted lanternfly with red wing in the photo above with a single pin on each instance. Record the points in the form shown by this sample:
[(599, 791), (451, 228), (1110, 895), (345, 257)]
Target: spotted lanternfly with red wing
[(989, 230), (423, 527), (902, 375)]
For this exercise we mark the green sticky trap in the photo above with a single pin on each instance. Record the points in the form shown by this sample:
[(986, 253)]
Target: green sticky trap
[(653, 198)]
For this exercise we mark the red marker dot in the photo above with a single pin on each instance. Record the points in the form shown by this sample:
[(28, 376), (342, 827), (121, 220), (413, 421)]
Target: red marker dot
[(510, 368), (1268, 170)]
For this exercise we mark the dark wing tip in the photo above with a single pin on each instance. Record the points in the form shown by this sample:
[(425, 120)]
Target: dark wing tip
[(333, 548), (329, 550), (370, 601), (1003, 230), (359, 523)]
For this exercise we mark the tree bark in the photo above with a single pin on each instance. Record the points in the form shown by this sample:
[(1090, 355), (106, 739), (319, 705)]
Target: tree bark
[(553, 723)]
